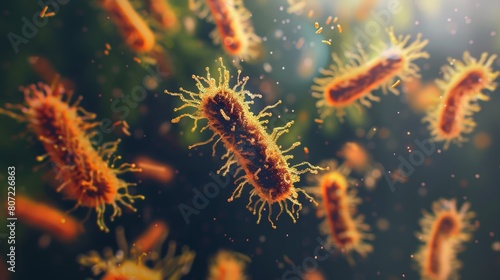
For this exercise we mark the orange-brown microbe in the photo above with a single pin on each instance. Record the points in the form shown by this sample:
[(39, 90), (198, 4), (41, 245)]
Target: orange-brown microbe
[(152, 237), (164, 14), (154, 170), (48, 219), (131, 25), (234, 29), (248, 144), (228, 265), (86, 175), (346, 230), (443, 233), (463, 85), (136, 264), (352, 84)]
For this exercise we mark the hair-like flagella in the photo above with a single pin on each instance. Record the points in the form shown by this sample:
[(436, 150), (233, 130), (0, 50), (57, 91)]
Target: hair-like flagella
[(86, 174), (244, 135)]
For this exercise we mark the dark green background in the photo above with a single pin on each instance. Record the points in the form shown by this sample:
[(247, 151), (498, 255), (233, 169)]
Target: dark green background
[(74, 41)]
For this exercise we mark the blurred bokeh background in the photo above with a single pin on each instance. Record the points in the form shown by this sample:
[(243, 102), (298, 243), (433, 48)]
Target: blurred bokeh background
[(74, 43)]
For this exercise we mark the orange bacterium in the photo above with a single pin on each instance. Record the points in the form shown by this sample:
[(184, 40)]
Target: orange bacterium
[(443, 233), (358, 158), (87, 175), (346, 230), (4, 274), (421, 97), (234, 29), (228, 265), (152, 237), (131, 25), (48, 219), (135, 265), (352, 84), (164, 14), (463, 85), (314, 275), (248, 144)]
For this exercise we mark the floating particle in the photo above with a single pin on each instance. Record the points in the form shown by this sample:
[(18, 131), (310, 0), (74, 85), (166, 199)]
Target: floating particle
[(396, 84), (162, 11), (155, 170), (300, 43), (328, 20), (495, 246), (359, 159), (339, 27), (383, 224), (248, 144), (326, 42), (136, 59), (152, 238), (124, 127), (397, 176), (134, 29), (44, 10)]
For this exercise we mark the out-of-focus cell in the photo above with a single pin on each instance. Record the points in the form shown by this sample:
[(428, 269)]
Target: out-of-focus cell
[(359, 159), (136, 264), (482, 140), (463, 84), (154, 170), (48, 219), (226, 265), (153, 237), (85, 174)]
